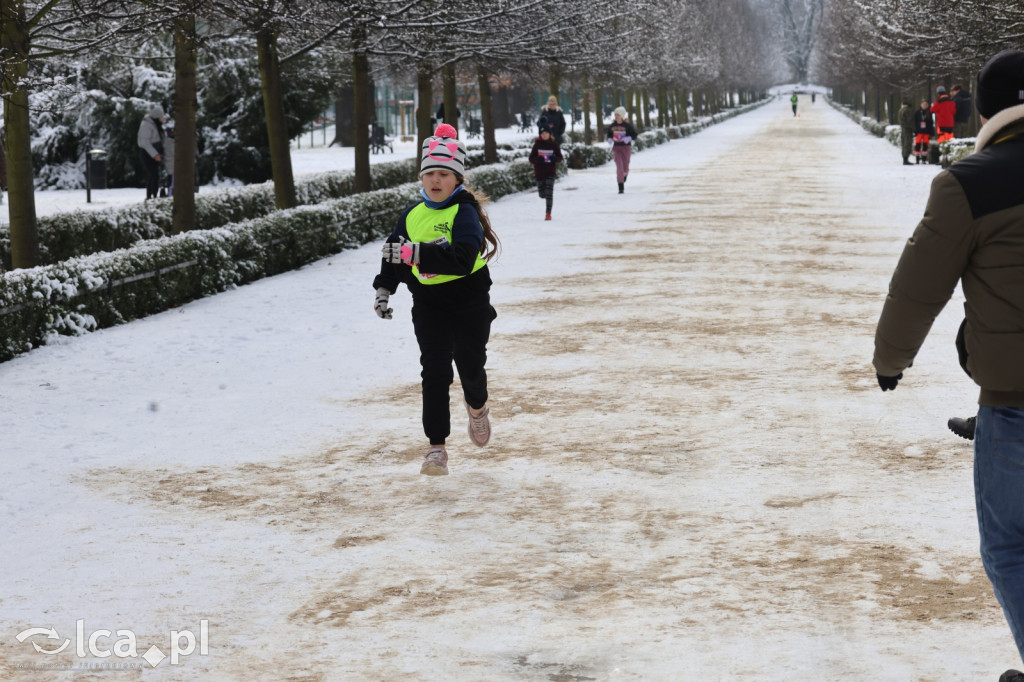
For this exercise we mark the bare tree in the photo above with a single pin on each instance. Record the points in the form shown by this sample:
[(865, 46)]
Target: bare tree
[(800, 20)]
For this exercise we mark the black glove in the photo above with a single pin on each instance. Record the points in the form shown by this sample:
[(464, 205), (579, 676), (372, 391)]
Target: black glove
[(889, 383)]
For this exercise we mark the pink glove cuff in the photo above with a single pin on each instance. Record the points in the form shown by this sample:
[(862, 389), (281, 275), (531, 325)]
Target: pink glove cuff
[(407, 254)]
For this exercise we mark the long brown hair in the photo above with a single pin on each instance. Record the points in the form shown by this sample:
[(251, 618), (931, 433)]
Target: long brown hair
[(491, 245)]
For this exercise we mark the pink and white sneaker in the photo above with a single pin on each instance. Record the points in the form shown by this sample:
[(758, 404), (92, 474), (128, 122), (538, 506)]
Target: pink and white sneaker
[(435, 463), (479, 426)]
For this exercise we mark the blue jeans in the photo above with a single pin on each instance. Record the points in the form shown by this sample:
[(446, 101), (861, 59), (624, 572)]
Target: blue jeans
[(999, 496)]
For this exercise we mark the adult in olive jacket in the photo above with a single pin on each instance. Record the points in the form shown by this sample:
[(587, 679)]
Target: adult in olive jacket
[(972, 232), (906, 119)]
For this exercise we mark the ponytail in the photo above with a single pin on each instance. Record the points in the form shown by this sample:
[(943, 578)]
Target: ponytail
[(491, 245)]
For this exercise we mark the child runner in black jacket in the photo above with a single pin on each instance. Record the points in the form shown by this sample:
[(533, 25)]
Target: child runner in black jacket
[(440, 248), (545, 157)]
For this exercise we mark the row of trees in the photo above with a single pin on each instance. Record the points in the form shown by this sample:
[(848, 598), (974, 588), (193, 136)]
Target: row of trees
[(103, 58), (884, 51)]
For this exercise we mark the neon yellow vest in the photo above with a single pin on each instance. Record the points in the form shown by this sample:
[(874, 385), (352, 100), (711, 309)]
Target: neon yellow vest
[(434, 226)]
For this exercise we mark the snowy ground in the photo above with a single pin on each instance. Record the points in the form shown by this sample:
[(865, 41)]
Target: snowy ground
[(693, 474)]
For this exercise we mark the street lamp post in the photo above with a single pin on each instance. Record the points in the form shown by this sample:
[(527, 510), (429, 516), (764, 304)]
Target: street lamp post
[(90, 156)]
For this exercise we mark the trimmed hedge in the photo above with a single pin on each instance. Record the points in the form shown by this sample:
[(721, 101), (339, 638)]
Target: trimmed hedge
[(89, 292), (80, 233)]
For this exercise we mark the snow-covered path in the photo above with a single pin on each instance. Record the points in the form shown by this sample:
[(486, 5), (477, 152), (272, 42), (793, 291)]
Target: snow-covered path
[(693, 474)]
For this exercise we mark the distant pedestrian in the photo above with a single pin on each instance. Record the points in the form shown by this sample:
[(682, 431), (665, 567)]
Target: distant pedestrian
[(906, 119), (924, 128), (168, 159), (151, 148), (440, 248), (812, 97), (793, 100), (962, 117), (621, 134), (545, 156), (556, 119), (945, 110), (972, 234)]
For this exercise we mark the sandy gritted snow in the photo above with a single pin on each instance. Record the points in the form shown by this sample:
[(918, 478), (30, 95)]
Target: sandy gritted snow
[(693, 474)]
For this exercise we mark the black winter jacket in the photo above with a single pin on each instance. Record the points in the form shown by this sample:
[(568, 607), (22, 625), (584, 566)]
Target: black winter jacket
[(963, 107), (923, 122), (545, 165)]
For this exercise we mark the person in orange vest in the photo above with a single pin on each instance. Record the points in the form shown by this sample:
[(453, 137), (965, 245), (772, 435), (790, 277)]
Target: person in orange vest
[(924, 128), (944, 109)]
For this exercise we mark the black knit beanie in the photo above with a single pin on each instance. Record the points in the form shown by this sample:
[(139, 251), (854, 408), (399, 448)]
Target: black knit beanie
[(1000, 83)]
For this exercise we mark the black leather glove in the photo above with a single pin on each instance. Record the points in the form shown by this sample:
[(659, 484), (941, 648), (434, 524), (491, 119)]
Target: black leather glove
[(889, 383)]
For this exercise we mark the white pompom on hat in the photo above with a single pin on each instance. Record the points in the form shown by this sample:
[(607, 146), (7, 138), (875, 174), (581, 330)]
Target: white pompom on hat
[(443, 151)]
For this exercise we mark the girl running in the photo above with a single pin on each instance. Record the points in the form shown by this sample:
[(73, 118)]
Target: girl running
[(440, 248)]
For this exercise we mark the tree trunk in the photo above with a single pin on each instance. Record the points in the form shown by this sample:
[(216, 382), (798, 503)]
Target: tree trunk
[(487, 115), (451, 97), (343, 109), (425, 111), (361, 117), (501, 111), (554, 81), (277, 125), (599, 106), (14, 41), (183, 215), (588, 133)]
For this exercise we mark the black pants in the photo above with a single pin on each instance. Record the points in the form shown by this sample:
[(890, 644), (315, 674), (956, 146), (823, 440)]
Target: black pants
[(546, 190), (152, 167), (446, 335)]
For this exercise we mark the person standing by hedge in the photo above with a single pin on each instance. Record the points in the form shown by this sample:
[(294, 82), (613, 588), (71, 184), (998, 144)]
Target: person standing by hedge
[(168, 159), (545, 157), (962, 100), (621, 134), (151, 148), (924, 128), (440, 248), (945, 111), (906, 119)]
